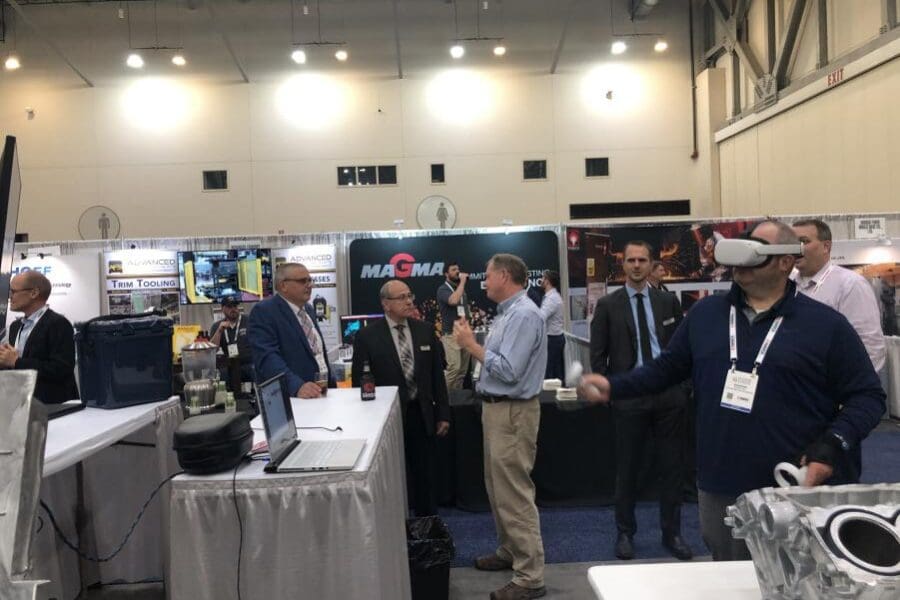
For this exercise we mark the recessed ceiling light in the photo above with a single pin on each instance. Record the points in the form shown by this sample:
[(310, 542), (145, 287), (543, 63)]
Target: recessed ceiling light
[(12, 63), (134, 61), (661, 46), (178, 60), (341, 55), (299, 57), (618, 47), (457, 51), (499, 50)]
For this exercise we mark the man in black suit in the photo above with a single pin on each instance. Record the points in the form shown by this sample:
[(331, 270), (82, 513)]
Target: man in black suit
[(405, 352), (630, 327), (42, 340)]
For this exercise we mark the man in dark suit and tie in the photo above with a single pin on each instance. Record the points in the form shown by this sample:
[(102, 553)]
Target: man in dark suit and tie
[(629, 328), (42, 340), (405, 352), (285, 338)]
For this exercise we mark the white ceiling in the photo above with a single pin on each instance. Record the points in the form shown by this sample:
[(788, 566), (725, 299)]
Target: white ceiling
[(96, 41)]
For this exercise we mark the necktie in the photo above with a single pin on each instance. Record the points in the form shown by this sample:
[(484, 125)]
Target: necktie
[(22, 338), (643, 331), (406, 361), (308, 329)]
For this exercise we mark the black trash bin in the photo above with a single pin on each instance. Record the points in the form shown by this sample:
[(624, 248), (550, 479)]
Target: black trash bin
[(431, 550)]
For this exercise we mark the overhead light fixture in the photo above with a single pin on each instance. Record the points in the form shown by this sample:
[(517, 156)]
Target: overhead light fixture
[(341, 55), (457, 51), (12, 62), (661, 45), (134, 61), (178, 60), (499, 50), (299, 57), (618, 47)]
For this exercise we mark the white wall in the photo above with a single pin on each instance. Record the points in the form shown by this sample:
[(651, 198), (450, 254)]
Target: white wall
[(107, 146)]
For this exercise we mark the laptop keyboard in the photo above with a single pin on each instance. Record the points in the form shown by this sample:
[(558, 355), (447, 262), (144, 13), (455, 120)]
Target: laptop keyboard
[(311, 454)]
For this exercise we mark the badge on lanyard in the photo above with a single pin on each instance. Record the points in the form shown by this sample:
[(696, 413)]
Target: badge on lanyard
[(232, 350), (740, 387)]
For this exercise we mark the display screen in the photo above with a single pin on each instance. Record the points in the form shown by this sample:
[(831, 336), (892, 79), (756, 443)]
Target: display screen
[(278, 417), (10, 189), (213, 275), (353, 324)]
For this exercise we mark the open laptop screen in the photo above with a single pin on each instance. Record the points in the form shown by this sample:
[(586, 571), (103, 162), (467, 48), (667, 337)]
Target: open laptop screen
[(278, 417)]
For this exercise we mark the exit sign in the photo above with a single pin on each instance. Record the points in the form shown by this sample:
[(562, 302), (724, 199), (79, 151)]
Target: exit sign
[(836, 77)]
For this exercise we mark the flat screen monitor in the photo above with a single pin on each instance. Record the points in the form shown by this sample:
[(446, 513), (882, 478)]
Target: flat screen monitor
[(353, 324), (10, 190), (210, 276)]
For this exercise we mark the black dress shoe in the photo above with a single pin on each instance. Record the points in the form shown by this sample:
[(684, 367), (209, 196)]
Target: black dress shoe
[(624, 547), (677, 547)]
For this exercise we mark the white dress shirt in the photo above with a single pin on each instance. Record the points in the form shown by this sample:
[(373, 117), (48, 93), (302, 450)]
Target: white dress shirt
[(28, 325), (851, 295), (552, 311)]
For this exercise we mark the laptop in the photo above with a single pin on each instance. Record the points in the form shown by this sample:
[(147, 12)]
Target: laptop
[(288, 453), (54, 411)]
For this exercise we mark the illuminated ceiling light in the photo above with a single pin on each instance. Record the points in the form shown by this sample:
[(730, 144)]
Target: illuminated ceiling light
[(299, 57), (178, 60), (618, 47), (134, 61), (661, 45), (499, 50), (341, 55), (457, 51), (12, 63)]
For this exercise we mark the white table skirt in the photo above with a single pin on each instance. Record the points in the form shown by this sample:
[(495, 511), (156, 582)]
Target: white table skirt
[(892, 375), (676, 581), (311, 535), (117, 482)]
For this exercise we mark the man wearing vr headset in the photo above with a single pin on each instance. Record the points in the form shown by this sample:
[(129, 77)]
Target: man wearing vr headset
[(777, 377)]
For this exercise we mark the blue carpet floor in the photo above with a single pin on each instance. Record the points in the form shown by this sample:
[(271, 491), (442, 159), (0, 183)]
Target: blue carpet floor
[(587, 534)]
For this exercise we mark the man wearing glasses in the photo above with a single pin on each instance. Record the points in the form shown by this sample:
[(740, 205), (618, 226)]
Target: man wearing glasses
[(285, 337), (41, 340), (403, 351)]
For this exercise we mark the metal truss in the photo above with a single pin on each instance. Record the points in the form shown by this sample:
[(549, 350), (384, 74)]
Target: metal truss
[(724, 27)]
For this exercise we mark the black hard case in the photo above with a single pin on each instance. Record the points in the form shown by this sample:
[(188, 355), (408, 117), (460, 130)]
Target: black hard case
[(213, 443)]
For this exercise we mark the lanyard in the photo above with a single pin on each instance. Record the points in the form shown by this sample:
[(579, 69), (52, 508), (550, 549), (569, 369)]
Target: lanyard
[(234, 331), (732, 340), (819, 283)]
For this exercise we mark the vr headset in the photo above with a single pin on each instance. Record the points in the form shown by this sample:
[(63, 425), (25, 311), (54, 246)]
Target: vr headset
[(751, 252)]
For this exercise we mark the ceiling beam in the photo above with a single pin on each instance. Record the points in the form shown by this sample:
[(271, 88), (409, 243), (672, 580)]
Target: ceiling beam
[(744, 52), (227, 41), (48, 40), (397, 42), (562, 36), (789, 42)]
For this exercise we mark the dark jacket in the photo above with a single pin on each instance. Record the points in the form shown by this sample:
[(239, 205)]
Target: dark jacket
[(816, 381), (375, 345), (278, 344), (614, 340), (50, 350)]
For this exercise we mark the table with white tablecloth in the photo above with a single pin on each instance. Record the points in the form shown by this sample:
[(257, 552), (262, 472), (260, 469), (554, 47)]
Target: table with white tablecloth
[(311, 535), (676, 581), (122, 455), (892, 374)]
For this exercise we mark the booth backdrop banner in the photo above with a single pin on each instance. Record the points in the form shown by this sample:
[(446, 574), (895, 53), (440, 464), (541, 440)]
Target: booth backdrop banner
[(140, 280), (419, 262), (76, 283), (321, 260), (595, 259)]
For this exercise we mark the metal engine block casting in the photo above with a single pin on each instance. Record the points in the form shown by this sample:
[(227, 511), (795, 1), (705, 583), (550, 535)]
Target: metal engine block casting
[(828, 542)]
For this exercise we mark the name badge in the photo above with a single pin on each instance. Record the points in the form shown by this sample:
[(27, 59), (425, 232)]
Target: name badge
[(668, 321), (739, 391), (425, 348), (322, 365), (460, 311), (232, 350)]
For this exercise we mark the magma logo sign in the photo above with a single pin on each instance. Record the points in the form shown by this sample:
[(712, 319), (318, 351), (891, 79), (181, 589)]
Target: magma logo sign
[(402, 266)]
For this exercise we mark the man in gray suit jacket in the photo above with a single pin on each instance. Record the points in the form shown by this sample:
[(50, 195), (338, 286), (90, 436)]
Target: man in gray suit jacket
[(630, 327)]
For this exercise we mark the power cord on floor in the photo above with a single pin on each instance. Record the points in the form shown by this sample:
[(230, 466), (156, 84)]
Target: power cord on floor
[(118, 549)]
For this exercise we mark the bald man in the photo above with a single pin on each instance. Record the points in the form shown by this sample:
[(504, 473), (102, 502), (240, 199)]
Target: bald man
[(41, 340)]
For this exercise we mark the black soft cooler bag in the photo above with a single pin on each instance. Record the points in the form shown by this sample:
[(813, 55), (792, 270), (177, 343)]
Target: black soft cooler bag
[(213, 443)]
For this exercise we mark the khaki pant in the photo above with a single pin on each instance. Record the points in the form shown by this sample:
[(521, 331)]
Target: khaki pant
[(457, 363), (510, 443)]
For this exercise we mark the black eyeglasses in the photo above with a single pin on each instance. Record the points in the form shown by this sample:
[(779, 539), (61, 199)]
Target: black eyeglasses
[(300, 280), (12, 291), (403, 297)]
